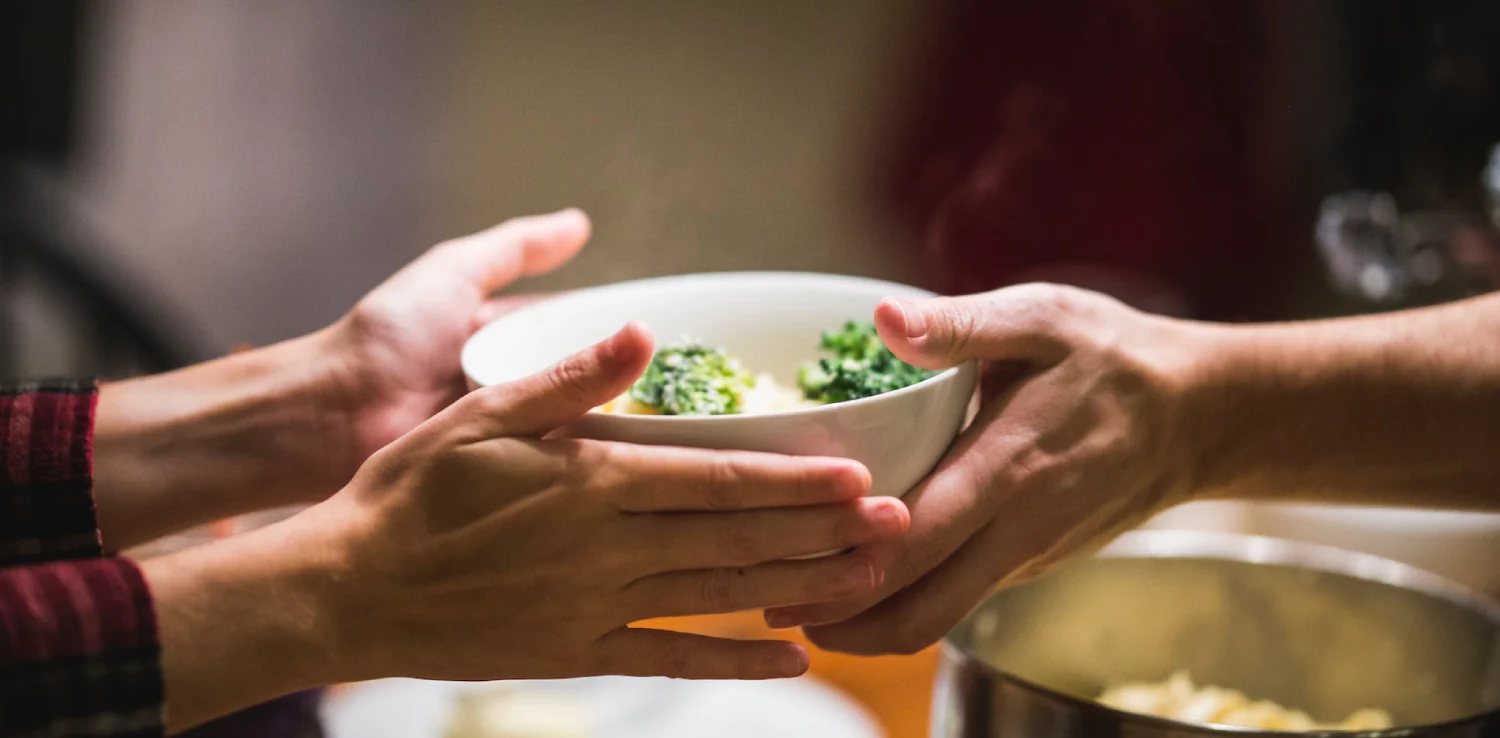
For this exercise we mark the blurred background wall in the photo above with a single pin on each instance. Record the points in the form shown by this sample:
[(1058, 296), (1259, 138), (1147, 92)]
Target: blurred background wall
[(241, 172), (258, 166)]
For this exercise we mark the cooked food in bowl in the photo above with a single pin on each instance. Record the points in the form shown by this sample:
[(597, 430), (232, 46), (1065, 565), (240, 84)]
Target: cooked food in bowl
[(756, 344), (691, 378), (1322, 631), (1178, 699)]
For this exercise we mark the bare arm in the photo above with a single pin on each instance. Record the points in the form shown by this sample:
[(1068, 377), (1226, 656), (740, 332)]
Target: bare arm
[(473, 548), (290, 423), (1096, 417), (1395, 409), (258, 430)]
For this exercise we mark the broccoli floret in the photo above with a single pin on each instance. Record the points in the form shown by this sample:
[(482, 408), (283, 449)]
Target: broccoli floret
[(861, 366), (692, 379)]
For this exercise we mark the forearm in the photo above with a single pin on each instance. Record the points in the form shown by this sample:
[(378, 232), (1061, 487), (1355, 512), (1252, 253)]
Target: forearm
[(1400, 409), (247, 432), (243, 621)]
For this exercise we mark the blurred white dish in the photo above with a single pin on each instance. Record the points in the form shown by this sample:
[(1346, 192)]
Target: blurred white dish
[(771, 321), (618, 707)]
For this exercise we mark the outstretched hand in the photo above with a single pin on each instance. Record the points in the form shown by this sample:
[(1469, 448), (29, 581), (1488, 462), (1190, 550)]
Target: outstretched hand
[(397, 352), (1070, 447)]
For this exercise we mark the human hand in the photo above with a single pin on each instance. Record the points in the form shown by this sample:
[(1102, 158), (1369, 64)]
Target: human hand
[(1072, 444), (480, 546), (477, 548), (395, 355)]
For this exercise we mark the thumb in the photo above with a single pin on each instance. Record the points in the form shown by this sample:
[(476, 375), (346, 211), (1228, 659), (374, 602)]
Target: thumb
[(941, 332), (538, 404), (518, 247)]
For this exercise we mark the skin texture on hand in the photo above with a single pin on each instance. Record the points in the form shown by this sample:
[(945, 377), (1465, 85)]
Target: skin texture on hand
[(399, 347), (1094, 417), (288, 424), (1069, 447), (477, 547)]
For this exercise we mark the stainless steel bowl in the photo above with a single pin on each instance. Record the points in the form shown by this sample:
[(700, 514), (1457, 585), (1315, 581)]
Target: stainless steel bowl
[(1314, 628)]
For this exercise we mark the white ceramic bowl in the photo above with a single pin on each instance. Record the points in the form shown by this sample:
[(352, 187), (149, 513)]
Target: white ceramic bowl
[(773, 322)]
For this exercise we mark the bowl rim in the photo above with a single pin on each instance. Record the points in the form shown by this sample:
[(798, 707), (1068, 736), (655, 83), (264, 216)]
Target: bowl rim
[(951, 374), (1248, 549)]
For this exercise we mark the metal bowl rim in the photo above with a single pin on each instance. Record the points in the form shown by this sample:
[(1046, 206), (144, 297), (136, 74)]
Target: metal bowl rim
[(1190, 544)]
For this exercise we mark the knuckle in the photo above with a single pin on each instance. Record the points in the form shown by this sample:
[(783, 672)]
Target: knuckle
[(722, 492), (488, 402), (595, 459), (1051, 304), (569, 377), (718, 589), (600, 470), (954, 324)]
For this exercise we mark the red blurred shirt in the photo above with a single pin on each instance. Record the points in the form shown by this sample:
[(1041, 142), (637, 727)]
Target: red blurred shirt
[(1112, 135)]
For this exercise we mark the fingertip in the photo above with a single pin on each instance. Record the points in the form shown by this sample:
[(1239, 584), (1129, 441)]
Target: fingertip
[(794, 662), (579, 222), (575, 222), (890, 515), (903, 328), (575, 214), (852, 479), (566, 231), (890, 319), (630, 346), (781, 618)]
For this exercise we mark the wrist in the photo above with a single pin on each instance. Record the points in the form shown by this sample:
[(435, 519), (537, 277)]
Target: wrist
[(1188, 365), (1211, 363), (263, 602), (338, 397)]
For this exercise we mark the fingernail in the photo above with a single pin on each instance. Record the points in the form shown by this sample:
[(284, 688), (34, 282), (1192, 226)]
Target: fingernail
[(887, 514), (614, 346), (782, 619), (795, 662), (911, 315), (853, 478)]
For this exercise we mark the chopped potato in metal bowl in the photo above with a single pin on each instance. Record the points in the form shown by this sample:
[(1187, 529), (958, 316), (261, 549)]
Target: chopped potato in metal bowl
[(1178, 699)]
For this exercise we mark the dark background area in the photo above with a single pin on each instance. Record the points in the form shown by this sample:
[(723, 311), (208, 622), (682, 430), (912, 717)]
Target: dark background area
[(1173, 152)]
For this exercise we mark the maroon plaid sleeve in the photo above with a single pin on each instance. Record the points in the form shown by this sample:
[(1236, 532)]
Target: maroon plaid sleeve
[(46, 493), (78, 646), (78, 652)]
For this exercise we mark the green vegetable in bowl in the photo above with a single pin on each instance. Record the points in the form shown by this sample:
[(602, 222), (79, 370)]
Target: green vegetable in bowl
[(861, 366), (692, 379)]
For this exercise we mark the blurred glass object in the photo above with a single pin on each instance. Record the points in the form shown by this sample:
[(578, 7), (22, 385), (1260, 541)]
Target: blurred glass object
[(1491, 182), (1386, 259)]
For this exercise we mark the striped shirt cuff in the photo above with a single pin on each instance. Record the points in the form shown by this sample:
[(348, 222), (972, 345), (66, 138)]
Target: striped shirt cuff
[(78, 652), (46, 491)]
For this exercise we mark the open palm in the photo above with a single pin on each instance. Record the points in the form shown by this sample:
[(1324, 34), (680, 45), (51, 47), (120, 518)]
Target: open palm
[(401, 343)]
